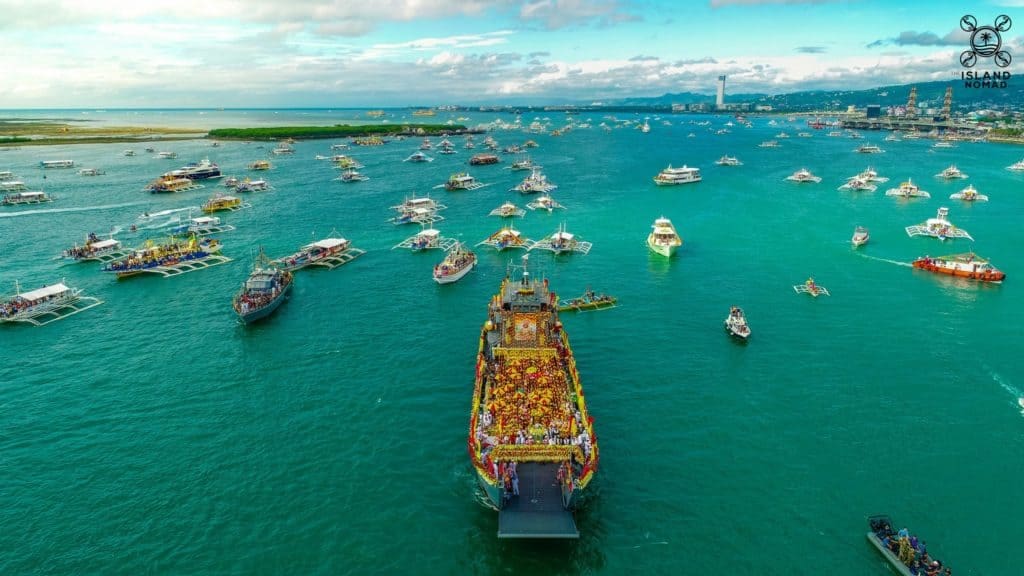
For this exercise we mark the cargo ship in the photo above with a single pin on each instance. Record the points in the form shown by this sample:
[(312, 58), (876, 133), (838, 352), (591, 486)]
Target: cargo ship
[(531, 438)]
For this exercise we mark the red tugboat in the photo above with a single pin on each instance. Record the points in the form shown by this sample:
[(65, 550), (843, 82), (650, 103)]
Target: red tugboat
[(968, 265)]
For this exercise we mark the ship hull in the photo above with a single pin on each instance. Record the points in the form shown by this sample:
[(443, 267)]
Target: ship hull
[(985, 276), (662, 249), (451, 278)]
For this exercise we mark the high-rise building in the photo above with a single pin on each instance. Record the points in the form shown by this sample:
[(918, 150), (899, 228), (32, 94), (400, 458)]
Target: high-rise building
[(720, 100)]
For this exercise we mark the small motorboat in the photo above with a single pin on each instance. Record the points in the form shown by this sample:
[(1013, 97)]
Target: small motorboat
[(736, 323), (860, 236)]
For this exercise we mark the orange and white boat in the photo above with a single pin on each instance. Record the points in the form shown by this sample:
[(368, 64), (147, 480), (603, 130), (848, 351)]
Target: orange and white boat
[(968, 265)]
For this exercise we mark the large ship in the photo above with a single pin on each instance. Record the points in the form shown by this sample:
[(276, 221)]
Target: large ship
[(202, 170), (968, 265), (531, 439)]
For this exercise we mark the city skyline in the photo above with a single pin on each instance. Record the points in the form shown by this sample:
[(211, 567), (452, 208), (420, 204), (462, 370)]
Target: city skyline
[(429, 52)]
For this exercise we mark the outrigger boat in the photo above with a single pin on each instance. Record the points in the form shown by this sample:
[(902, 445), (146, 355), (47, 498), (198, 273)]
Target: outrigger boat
[(351, 175), (96, 250), (588, 301), (802, 176), (44, 305), (264, 290), (170, 185), (221, 202), (939, 227), (869, 175), (860, 236), (418, 210), (951, 173), (26, 198), (427, 239), (91, 172), (903, 551), (907, 190), (663, 238), (12, 185), (868, 149), (968, 265), (163, 218), (858, 185), (969, 194), (248, 185), (769, 144), (811, 288), (728, 161), (483, 159), (260, 165), (736, 324), (1016, 166), (461, 181), (544, 202), (172, 258), (507, 237), (456, 264), (535, 183), (524, 164), (202, 226), (46, 164), (329, 253), (508, 210), (529, 425), (562, 242), (418, 157), (348, 163)]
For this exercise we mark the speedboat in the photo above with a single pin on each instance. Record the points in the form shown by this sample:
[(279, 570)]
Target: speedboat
[(1016, 166), (951, 173), (736, 323), (860, 236), (803, 175), (969, 194), (663, 239), (907, 190)]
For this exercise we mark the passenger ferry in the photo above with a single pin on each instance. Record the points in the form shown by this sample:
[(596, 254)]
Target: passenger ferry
[(12, 186), (868, 149), (951, 173), (969, 194), (663, 238), (674, 176), (168, 259), (968, 265), (483, 159), (91, 172), (25, 198), (44, 305), (728, 161), (57, 164), (907, 190), (456, 264), (220, 202), (94, 249), (263, 292), (329, 253), (803, 176), (535, 183), (462, 181), (529, 425), (173, 185)]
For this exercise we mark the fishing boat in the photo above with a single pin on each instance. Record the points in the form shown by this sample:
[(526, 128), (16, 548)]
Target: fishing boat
[(938, 227), (263, 291), (91, 172), (1016, 166), (172, 185), (544, 202), (588, 301), (857, 184), (47, 164), (969, 194), (461, 181), (457, 263), (171, 258), (968, 265), (483, 159), (535, 183), (803, 176), (860, 236), (418, 157), (95, 249), (810, 287), (259, 165), (220, 202), (508, 210), (427, 239), (44, 305), (26, 198), (868, 149), (728, 161), (675, 176), (951, 173), (328, 253), (529, 421), (248, 185), (352, 175), (507, 237), (736, 324), (663, 238), (562, 242), (907, 190), (904, 552)]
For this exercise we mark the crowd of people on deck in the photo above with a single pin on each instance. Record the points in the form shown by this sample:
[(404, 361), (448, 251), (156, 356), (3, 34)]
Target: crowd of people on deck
[(250, 300), (458, 260), (166, 255), (18, 305), (77, 252), (911, 552)]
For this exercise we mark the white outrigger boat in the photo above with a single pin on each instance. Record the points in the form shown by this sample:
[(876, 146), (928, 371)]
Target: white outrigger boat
[(461, 181), (544, 202), (907, 190), (508, 210), (96, 250), (562, 242), (868, 149), (951, 173), (44, 305), (329, 253), (427, 239), (728, 161), (26, 198), (802, 176), (91, 172), (858, 185), (938, 227), (351, 175), (869, 175), (248, 185), (809, 287), (736, 324), (202, 226), (860, 236), (163, 218), (418, 210), (12, 186), (663, 239), (507, 237), (769, 144), (456, 264), (524, 164), (1016, 166), (418, 156), (535, 183), (969, 194)]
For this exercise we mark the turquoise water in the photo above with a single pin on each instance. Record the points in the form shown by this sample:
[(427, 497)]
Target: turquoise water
[(154, 434)]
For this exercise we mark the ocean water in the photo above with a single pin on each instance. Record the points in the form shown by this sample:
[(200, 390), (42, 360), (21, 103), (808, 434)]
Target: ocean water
[(156, 435)]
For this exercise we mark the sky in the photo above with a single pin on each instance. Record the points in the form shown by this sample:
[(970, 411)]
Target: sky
[(384, 53)]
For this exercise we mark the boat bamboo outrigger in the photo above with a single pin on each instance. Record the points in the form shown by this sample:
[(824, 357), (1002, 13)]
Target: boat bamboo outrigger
[(907, 190), (202, 226), (939, 227), (44, 305), (329, 253), (26, 198), (969, 194), (544, 202), (508, 210), (507, 237), (968, 265), (426, 239), (461, 181), (172, 258), (810, 287), (858, 184), (562, 242), (221, 202), (588, 301), (535, 183), (457, 263), (529, 425), (264, 290), (96, 250)]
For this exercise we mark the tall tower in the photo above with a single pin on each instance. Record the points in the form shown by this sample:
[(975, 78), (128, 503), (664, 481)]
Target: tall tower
[(947, 104), (912, 103), (720, 100)]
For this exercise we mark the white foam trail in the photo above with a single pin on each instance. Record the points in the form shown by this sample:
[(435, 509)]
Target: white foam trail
[(896, 262), (57, 210), (1014, 391)]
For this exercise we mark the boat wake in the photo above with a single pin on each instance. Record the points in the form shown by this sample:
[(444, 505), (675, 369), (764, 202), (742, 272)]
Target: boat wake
[(1017, 394), (896, 262), (79, 209)]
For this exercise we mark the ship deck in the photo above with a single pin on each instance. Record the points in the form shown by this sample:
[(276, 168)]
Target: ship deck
[(537, 512), (185, 266)]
